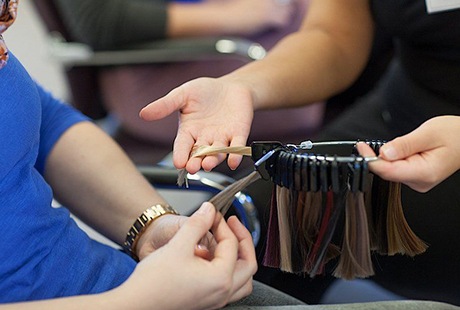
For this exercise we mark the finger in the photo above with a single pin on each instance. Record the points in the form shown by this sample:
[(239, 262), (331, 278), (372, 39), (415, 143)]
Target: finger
[(234, 160), (203, 252), (195, 164), (207, 162), (416, 171), (412, 143), (406, 170), (211, 161), (163, 107), (366, 151), (246, 243), (247, 264), (206, 247), (183, 144), (381, 167), (226, 252), (193, 230)]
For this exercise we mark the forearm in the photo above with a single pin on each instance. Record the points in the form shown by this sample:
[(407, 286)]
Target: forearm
[(92, 176), (199, 19), (323, 58)]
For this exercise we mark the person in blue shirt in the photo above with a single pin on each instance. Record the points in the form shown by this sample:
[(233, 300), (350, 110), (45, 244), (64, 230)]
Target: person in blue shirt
[(48, 150)]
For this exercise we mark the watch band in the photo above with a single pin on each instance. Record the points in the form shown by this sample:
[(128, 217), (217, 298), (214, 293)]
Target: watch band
[(142, 222)]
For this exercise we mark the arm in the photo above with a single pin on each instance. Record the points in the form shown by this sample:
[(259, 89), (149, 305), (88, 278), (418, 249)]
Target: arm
[(92, 176), (110, 24), (423, 158), (155, 282), (226, 17), (321, 59), (88, 170)]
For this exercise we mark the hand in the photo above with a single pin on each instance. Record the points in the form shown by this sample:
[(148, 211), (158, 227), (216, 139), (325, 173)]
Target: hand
[(212, 112), (163, 229), (423, 158), (173, 277)]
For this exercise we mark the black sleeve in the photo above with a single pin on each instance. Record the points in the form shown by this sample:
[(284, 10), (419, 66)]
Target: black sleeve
[(109, 24)]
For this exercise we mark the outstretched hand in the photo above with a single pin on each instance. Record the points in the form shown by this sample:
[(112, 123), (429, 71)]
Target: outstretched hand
[(212, 113), (421, 159), (173, 277)]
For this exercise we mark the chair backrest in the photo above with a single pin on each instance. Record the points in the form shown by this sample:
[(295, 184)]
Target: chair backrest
[(50, 17), (83, 81)]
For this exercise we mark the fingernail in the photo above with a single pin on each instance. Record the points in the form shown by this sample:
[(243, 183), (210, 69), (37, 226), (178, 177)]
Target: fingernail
[(205, 208), (389, 152), (202, 247)]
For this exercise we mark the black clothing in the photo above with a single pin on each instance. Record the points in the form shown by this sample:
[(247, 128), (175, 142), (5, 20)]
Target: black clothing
[(423, 81)]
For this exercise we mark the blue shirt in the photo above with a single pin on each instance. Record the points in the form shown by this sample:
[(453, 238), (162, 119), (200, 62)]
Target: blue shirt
[(43, 253)]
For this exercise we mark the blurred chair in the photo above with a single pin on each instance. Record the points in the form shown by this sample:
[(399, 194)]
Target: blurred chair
[(83, 69), (121, 82)]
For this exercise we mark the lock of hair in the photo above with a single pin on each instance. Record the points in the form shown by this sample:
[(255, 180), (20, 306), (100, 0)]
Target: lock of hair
[(401, 238)]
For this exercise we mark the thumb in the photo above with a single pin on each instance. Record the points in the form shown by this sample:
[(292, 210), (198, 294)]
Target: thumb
[(402, 147), (197, 226), (162, 107)]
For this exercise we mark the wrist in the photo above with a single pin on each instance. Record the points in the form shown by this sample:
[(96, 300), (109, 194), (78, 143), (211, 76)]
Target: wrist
[(243, 83), (157, 235), (141, 224)]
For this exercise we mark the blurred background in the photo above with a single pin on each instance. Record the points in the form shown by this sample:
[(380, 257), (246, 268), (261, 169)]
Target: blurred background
[(27, 40)]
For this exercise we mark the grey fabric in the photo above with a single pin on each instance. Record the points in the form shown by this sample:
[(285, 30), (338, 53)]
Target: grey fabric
[(265, 297), (357, 291), (393, 305)]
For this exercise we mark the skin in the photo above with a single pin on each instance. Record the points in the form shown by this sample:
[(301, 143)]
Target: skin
[(222, 17), (105, 189), (92, 176), (422, 158), (191, 19), (324, 57), (202, 283)]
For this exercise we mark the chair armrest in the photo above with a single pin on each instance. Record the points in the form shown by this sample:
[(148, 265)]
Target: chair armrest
[(73, 54)]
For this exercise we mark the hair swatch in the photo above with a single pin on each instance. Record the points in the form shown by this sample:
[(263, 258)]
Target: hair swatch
[(313, 193)]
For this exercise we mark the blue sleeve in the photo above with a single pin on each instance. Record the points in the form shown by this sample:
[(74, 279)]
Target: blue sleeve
[(56, 118)]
